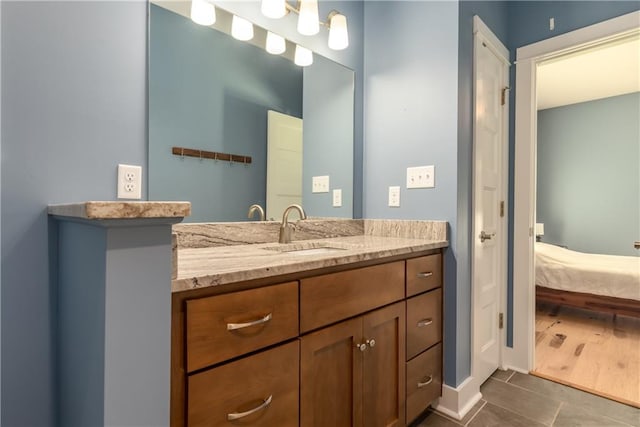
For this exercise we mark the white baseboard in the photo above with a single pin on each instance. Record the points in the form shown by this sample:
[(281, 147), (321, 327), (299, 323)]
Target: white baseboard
[(457, 402)]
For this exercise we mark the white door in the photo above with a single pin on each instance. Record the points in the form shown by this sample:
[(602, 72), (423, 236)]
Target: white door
[(489, 218), (284, 163)]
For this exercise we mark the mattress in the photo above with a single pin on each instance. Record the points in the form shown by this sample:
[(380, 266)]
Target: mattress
[(567, 270)]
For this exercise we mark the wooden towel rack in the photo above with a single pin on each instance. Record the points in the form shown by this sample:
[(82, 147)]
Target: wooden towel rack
[(213, 155)]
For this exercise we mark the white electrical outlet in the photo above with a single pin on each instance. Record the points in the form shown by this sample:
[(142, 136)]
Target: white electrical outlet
[(337, 198), (320, 184), (129, 182), (394, 197), (421, 177)]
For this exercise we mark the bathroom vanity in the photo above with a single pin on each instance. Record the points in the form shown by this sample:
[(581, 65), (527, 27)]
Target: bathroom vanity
[(335, 331)]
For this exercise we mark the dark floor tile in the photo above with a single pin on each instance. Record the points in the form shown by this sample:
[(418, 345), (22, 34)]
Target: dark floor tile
[(501, 375), (492, 415), (526, 403), (574, 416), (432, 419), (587, 401)]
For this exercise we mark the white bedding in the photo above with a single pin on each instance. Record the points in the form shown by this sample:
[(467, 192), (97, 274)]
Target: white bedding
[(567, 270)]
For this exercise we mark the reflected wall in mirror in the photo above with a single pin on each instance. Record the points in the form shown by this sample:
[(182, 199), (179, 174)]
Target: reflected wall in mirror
[(208, 91)]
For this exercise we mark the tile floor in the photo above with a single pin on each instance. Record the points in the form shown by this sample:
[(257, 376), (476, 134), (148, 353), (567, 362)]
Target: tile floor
[(514, 399)]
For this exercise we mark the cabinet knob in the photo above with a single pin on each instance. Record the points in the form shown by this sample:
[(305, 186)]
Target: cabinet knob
[(361, 347), (371, 343)]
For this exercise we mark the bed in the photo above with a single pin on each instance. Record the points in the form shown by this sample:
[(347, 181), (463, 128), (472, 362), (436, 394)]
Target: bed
[(606, 283)]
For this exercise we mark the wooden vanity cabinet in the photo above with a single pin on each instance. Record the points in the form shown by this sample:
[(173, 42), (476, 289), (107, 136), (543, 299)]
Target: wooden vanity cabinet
[(352, 373), (335, 348)]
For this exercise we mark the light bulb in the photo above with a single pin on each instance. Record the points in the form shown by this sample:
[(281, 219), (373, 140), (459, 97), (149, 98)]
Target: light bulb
[(338, 35), (275, 44), (303, 56), (274, 8), (308, 23), (241, 29), (203, 12)]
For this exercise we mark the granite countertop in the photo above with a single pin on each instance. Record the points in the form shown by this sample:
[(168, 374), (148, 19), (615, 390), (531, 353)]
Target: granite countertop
[(99, 210), (215, 266)]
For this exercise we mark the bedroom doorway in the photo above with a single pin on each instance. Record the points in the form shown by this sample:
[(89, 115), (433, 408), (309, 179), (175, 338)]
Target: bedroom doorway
[(564, 343)]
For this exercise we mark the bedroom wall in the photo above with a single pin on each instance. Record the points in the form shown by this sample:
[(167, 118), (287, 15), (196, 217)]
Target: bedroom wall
[(588, 177)]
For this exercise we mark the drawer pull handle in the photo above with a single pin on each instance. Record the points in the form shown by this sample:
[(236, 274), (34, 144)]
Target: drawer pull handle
[(425, 274), (238, 415), (234, 326), (425, 322), (426, 383)]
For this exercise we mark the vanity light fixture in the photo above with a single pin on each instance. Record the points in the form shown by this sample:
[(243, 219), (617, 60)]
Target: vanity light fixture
[(338, 35), (303, 56), (241, 29), (275, 44), (274, 8), (203, 12), (308, 21)]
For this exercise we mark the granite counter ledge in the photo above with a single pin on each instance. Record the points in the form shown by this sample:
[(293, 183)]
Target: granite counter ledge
[(215, 266)]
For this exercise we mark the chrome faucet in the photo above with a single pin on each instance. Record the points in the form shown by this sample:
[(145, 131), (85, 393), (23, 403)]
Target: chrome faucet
[(253, 209), (286, 229)]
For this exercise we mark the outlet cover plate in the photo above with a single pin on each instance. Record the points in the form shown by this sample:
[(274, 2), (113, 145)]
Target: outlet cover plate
[(394, 197), (129, 182), (337, 198)]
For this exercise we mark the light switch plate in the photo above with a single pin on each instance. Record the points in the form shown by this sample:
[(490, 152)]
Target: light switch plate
[(421, 177), (337, 198), (394, 197), (320, 184)]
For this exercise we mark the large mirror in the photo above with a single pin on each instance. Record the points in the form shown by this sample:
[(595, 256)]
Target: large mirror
[(212, 96)]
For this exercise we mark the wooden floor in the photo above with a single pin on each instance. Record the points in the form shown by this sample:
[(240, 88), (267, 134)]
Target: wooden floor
[(595, 352)]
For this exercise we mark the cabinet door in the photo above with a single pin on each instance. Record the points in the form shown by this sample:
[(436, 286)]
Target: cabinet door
[(383, 373), (331, 376)]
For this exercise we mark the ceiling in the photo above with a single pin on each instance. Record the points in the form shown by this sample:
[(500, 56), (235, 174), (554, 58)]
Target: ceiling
[(599, 72)]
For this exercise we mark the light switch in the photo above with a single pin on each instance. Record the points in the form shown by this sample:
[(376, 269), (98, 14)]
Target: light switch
[(394, 197), (337, 198), (320, 184), (421, 177)]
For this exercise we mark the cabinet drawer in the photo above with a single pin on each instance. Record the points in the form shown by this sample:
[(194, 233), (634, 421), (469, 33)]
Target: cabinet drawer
[(224, 326), (424, 322), (424, 381), (423, 274), (261, 390), (333, 297)]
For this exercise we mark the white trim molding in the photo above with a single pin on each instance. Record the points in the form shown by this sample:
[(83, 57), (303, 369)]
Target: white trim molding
[(457, 402), (522, 357)]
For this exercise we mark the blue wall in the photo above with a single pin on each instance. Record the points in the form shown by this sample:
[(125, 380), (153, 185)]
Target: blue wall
[(328, 136), (588, 181), (73, 107), (210, 91), (411, 112)]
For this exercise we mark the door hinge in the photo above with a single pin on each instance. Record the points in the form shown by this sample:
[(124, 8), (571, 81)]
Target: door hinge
[(503, 98), (500, 321), (502, 209)]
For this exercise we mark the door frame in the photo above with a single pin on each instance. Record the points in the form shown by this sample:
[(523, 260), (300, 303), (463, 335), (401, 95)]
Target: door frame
[(521, 356), (483, 34)]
